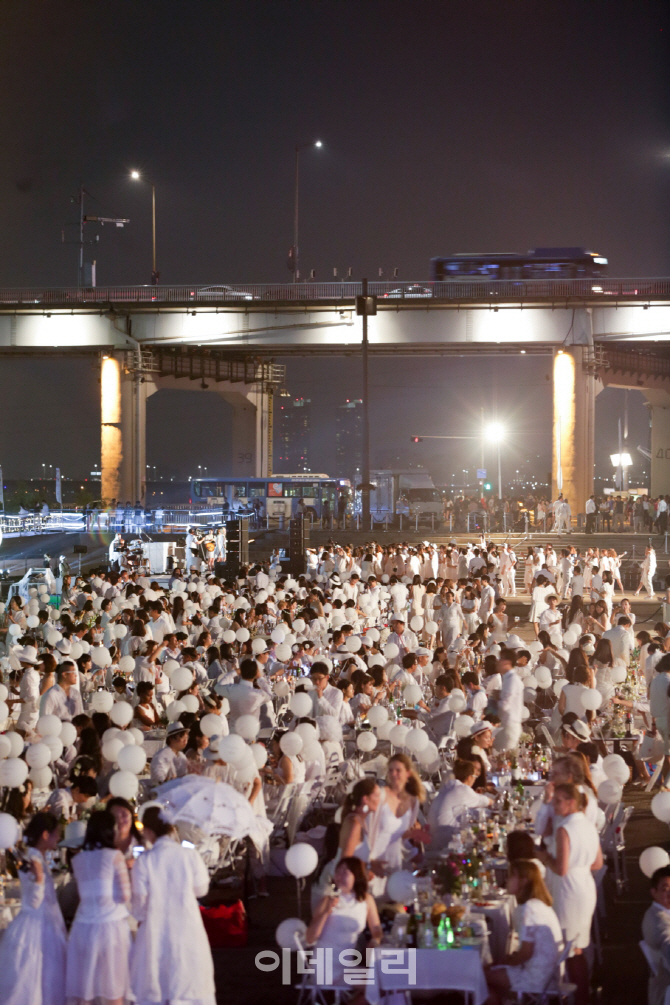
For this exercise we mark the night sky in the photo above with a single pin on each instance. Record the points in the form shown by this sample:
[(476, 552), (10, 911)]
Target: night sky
[(446, 126)]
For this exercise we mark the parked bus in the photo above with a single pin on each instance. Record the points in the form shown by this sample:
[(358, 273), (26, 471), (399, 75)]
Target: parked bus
[(275, 497)]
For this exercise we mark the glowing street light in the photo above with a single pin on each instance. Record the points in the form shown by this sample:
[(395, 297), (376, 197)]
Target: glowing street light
[(495, 433), (621, 460), (136, 176)]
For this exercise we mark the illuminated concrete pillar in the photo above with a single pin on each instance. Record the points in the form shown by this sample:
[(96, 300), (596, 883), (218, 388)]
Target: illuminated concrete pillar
[(659, 408), (573, 428), (250, 429), (123, 414)]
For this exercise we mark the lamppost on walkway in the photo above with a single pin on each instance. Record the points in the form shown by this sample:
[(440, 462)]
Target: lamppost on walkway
[(494, 434), (294, 255), (136, 176)]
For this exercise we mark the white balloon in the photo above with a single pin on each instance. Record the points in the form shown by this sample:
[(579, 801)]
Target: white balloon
[(559, 685), (132, 759), (137, 735), (610, 793), (126, 737), (308, 732), (287, 931), (282, 688), (531, 682), (41, 777), (258, 646), (652, 859), (391, 650), (15, 629), (283, 652), (260, 754), (660, 805), (5, 747), (4, 692), (112, 748), (591, 699), (278, 635), (366, 741), (53, 638), (247, 727), (456, 701), (126, 664), (543, 677), (9, 831), (417, 740), (4, 711), (229, 637), (38, 755), (353, 644), (55, 745), (372, 634), (190, 703), (124, 784), (301, 704), (429, 755), (412, 694), (377, 715), (121, 713), (17, 742), (384, 731), (210, 724), (291, 744), (398, 735), (49, 725), (120, 631), (13, 772), (618, 675), (174, 710), (233, 749), (169, 668), (182, 679), (616, 769), (100, 656), (401, 886), (301, 858), (416, 624), (102, 701), (33, 621), (242, 634), (463, 725), (68, 734)]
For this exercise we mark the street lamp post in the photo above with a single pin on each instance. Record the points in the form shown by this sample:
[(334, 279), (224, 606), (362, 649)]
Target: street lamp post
[(295, 257), (136, 176), (495, 433)]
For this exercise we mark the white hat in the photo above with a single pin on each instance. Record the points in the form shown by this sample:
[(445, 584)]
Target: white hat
[(480, 727), (398, 616), (422, 651), (27, 655), (64, 647)]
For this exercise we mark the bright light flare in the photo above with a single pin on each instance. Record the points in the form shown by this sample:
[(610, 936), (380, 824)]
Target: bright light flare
[(318, 143), (495, 432), (135, 175), (621, 460)]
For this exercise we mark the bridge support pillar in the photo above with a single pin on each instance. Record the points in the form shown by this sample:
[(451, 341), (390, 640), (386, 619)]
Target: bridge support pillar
[(123, 416), (659, 408), (250, 433), (573, 427)]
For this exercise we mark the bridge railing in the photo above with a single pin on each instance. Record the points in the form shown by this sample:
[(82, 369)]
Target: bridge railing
[(391, 293)]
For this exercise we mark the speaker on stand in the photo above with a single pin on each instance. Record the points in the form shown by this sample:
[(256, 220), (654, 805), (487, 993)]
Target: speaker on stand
[(237, 549), (298, 543)]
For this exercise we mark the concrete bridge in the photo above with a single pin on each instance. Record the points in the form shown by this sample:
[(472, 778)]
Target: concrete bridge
[(150, 337)]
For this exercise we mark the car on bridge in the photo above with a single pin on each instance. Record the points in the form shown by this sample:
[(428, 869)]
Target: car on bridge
[(220, 293), (411, 292)]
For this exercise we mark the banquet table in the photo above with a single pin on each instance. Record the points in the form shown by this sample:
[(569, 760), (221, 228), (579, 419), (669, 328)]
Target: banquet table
[(498, 912), (436, 970)]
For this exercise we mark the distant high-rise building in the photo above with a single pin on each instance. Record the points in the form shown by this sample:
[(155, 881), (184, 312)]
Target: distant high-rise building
[(293, 417), (349, 438)]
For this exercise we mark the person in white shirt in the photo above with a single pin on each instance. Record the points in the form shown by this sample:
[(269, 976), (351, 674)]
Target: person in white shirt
[(620, 639), (327, 699), (510, 706), (591, 510), (486, 600), (455, 798), (403, 638), (450, 619), (507, 571), (477, 698), (244, 698), (29, 689), (647, 573), (191, 551), (550, 621), (170, 762), (64, 698)]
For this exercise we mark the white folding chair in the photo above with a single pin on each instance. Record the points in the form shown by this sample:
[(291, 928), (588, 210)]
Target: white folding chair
[(556, 989)]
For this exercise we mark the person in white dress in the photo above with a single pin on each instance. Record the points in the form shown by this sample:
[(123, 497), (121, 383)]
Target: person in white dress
[(530, 968), (171, 958), (393, 831), (342, 914), (356, 814), (450, 619), (570, 868), (99, 947), (498, 622), (33, 948)]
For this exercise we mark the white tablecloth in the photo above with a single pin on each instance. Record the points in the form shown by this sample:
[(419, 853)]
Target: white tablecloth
[(436, 970), (499, 914)]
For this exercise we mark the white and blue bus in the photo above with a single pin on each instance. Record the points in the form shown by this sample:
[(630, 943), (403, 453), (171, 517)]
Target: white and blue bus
[(276, 497)]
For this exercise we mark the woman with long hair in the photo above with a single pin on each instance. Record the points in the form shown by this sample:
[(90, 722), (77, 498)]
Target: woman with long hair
[(171, 958), (18, 802), (531, 967), (395, 831), (33, 948), (126, 833), (575, 614), (340, 919), (99, 945)]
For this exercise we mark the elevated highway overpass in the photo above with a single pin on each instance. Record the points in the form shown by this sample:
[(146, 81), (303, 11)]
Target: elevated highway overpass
[(599, 333)]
